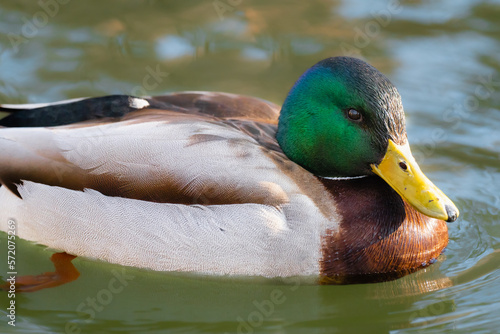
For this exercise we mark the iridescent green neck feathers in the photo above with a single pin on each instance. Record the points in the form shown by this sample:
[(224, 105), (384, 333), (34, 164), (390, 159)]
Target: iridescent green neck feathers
[(338, 117)]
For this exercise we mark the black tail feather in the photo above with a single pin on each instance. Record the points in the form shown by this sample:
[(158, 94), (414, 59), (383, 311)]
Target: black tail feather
[(111, 106)]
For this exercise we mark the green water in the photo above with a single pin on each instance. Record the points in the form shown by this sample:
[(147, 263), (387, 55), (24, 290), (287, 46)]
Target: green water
[(444, 56)]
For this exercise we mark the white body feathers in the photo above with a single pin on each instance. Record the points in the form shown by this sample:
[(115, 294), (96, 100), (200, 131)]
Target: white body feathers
[(278, 234)]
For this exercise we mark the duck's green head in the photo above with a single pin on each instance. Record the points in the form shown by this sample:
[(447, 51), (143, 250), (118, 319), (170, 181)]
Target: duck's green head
[(344, 118)]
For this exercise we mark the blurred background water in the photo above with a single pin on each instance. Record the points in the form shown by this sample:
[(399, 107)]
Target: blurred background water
[(444, 57)]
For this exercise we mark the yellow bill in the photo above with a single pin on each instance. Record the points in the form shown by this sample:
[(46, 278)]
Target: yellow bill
[(400, 170)]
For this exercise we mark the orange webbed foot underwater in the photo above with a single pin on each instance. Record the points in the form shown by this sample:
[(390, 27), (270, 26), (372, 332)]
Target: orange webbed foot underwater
[(65, 272)]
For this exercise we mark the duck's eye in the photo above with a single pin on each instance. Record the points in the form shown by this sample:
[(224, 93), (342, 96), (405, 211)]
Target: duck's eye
[(354, 115)]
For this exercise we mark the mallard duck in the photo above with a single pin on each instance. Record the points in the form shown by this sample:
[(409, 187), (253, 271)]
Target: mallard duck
[(324, 187)]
